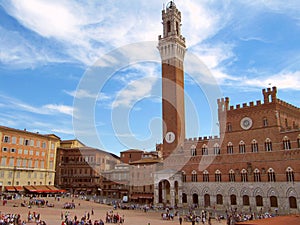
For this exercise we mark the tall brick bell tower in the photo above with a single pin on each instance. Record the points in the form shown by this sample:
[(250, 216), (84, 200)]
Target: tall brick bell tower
[(172, 50)]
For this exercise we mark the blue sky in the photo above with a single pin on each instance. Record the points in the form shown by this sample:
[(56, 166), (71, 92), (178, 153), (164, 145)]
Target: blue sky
[(49, 48)]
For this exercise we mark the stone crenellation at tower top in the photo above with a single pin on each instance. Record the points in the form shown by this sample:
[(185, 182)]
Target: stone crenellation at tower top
[(269, 94)]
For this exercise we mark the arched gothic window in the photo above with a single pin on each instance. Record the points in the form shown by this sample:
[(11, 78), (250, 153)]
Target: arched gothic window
[(229, 127), (265, 122), (183, 176), (286, 143), (289, 175), (204, 149), (169, 26), (242, 147), (218, 176), (205, 176), (271, 175), (268, 145), (216, 149), (244, 176), (231, 176), (194, 176), (254, 146), (193, 150), (256, 175), (229, 148)]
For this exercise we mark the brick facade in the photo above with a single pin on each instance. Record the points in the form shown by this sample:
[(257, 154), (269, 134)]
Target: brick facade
[(254, 163)]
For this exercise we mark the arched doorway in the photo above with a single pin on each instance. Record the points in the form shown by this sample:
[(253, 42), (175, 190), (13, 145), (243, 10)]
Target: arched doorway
[(219, 199), (184, 198), (195, 199), (206, 200), (259, 200), (293, 202), (273, 201), (164, 192), (246, 200), (233, 199)]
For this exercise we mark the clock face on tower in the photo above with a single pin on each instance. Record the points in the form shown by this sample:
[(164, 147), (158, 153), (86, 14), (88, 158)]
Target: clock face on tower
[(170, 137), (246, 123)]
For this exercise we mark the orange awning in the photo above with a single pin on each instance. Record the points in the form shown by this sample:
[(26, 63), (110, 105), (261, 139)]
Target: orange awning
[(19, 188), (52, 187), (10, 188), (42, 189), (30, 188)]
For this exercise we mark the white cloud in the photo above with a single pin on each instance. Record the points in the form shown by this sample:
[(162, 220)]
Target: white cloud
[(63, 131), (87, 30), (139, 81), (48, 18), (81, 94), (201, 20), (49, 109), (135, 91), (214, 56), (59, 108), (284, 80)]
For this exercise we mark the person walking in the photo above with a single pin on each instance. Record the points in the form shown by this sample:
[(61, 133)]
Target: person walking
[(180, 220)]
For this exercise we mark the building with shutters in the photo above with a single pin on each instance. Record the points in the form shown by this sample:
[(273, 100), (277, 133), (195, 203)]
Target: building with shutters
[(27, 158)]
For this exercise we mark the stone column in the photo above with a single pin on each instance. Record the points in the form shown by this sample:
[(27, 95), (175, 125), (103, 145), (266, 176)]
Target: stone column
[(266, 204), (201, 200), (179, 197), (172, 194), (252, 203), (189, 199), (156, 195)]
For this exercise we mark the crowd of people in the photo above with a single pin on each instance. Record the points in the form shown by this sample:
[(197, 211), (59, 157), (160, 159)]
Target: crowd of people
[(233, 216), (85, 219), (11, 219), (112, 217), (15, 219)]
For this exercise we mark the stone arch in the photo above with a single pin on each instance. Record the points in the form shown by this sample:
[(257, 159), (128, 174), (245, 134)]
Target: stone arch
[(245, 191), (164, 191), (258, 191), (219, 190), (217, 171), (291, 192), (232, 191), (231, 171), (256, 170), (216, 145), (205, 190), (194, 190), (285, 138), (272, 192)]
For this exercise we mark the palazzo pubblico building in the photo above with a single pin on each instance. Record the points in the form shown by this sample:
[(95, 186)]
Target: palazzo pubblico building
[(253, 164)]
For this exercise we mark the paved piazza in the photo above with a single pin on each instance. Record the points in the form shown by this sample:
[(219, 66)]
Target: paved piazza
[(52, 216)]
